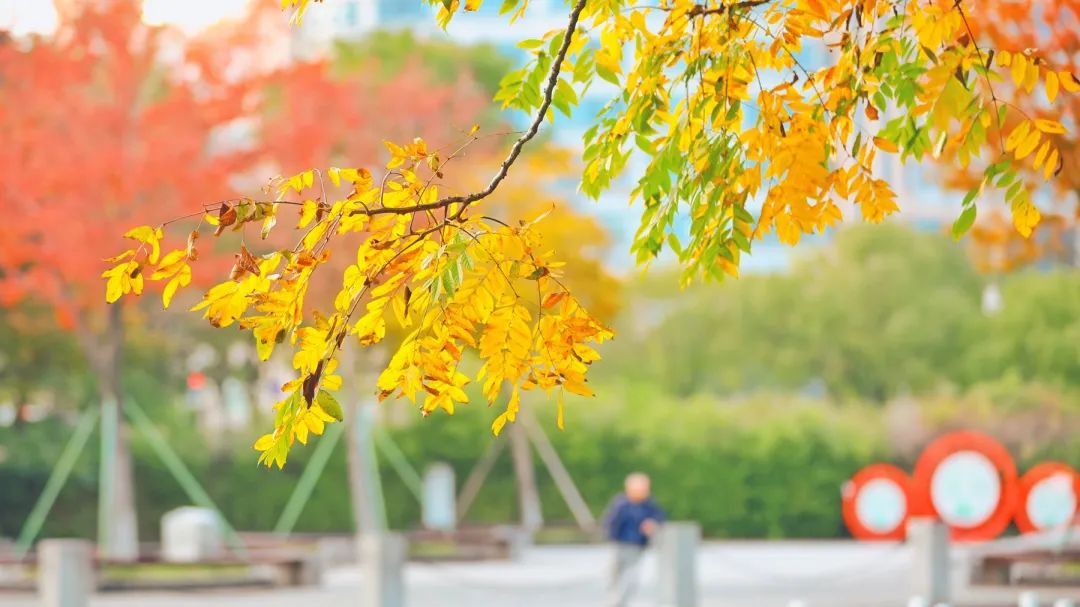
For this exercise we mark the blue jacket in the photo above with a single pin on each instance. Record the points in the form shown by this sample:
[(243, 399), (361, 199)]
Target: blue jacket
[(623, 520)]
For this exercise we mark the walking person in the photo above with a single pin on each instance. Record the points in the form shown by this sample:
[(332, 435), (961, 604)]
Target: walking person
[(630, 520)]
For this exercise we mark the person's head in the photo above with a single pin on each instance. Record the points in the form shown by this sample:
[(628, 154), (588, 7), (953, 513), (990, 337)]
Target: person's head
[(637, 487)]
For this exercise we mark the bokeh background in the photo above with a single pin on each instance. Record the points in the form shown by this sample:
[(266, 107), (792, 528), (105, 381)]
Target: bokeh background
[(750, 402)]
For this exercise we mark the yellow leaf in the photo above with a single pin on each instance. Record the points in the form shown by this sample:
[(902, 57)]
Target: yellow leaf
[(141, 234), (1025, 217), (1028, 145), (301, 433), (126, 254), (578, 388), (1049, 126), (1051, 86), (1068, 82), (113, 288), (331, 382), (472, 5), (265, 442), (1004, 58), (554, 298), (150, 236), (1019, 69), (170, 290), (307, 213), (559, 411), (514, 405), (314, 423), (1051, 165), (1041, 155), (885, 144), (1032, 78), (137, 284), (497, 425), (170, 265), (1017, 136)]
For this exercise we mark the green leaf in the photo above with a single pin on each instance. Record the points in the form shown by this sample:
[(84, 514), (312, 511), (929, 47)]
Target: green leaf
[(964, 222), (676, 246), (607, 74), (328, 403), (970, 196)]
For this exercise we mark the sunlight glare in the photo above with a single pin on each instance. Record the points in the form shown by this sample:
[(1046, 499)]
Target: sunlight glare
[(21, 17), (192, 15)]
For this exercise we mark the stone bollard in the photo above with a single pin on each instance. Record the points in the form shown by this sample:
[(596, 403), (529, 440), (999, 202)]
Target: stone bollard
[(382, 560), (929, 539), (438, 510), (190, 534), (65, 573), (916, 601), (1064, 603), (677, 545), (1028, 599)]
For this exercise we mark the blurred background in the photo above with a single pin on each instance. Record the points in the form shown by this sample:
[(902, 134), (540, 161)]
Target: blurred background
[(749, 402)]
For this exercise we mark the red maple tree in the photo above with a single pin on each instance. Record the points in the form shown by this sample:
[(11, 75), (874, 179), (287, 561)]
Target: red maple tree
[(103, 126), (111, 122)]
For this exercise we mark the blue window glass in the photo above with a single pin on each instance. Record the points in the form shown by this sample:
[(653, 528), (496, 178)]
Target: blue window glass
[(352, 14), (402, 10)]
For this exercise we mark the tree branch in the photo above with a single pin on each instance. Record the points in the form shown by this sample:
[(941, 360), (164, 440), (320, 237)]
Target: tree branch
[(515, 151), (701, 9)]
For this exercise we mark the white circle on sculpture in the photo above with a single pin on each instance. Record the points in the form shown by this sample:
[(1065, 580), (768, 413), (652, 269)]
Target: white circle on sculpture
[(1051, 502), (881, 505), (965, 489)]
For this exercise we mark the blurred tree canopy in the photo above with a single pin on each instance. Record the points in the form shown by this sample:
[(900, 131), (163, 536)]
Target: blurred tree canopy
[(712, 180), (388, 52), (874, 314), (724, 437)]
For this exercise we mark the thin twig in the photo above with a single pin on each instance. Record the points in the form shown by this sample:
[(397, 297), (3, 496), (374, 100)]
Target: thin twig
[(701, 9), (515, 151), (986, 69)]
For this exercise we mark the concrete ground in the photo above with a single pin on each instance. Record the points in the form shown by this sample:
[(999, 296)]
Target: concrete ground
[(731, 574)]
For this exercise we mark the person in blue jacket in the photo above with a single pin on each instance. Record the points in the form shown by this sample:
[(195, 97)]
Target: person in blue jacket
[(631, 519)]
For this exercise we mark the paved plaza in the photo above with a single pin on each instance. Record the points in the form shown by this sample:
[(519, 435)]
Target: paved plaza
[(731, 574)]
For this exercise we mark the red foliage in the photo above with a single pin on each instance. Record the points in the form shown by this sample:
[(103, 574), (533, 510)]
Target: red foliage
[(343, 120), (102, 132), (111, 123)]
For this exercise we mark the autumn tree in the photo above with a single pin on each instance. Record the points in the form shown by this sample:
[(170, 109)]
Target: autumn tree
[(99, 134), (740, 136), (1048, 35)]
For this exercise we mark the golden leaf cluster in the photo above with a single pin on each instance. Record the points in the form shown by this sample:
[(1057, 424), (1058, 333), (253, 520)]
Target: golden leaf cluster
[(459, 284)]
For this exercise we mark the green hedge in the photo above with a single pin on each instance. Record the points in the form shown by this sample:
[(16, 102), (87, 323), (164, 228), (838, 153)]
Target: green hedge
[(744, 470), (759, 467)]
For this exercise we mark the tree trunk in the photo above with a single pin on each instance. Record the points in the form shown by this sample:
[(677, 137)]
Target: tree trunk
[(363, 472), (528, 495), (118, 535)]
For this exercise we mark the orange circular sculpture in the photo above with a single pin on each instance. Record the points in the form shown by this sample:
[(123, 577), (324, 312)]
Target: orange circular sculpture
[(1048, 498), (969, 481), (877, 503)]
